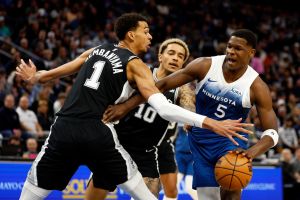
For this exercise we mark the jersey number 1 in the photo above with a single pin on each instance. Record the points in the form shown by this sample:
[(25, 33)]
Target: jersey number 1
[(93, 82)]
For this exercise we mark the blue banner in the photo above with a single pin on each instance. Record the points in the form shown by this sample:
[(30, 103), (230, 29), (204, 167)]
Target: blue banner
[(265, 184)]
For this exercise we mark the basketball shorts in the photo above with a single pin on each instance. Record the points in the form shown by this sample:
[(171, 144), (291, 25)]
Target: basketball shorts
[(145, 159), (166, 157), (74, 142), (205, 155)]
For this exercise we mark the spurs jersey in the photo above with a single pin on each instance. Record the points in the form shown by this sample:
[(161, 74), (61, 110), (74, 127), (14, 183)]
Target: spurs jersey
[(143, 126), (220, 100), (101, 81)]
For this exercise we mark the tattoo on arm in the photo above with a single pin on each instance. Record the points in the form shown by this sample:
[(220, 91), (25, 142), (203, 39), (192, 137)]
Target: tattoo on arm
[(187, 96)]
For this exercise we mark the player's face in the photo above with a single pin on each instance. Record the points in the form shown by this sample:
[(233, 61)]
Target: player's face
[(142, 37), (238, 53), (172, 58)]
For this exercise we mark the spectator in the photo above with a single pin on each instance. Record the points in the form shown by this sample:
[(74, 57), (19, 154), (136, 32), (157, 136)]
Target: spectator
[(42, 114), (28, 119), (288, 134), (4, 30), (288, 174), (13, 147), (9, 118), (59, 102), (31, 149)]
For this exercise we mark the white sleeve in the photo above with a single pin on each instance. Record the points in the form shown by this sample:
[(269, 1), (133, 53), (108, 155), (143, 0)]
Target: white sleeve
[(172, 112)]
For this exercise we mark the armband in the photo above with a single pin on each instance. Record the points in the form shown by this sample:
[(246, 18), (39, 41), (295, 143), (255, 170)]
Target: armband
[(271, 133)]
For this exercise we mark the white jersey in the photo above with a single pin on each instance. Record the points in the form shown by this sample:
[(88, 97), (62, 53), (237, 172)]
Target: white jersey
[(221, 100)]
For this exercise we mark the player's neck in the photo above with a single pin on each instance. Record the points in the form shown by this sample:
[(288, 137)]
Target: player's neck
[(127, 45), (161, 73)]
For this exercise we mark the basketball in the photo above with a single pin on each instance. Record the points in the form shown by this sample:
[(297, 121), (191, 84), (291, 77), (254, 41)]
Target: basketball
[(233, 171)]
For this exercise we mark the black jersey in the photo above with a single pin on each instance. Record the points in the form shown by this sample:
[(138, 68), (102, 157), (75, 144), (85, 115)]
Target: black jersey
[(101, 81), (143, 126)]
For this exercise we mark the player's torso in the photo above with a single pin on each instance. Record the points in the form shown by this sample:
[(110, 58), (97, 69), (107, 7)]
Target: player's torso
[(143, 124), (220, 100), (100, 82)]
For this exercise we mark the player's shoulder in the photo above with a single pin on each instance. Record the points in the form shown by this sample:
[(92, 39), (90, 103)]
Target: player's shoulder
[(259, 84), (259, 90)]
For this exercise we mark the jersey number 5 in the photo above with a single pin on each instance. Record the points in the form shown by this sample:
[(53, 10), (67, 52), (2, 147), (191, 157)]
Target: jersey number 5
[(93, 82), (221, 111)]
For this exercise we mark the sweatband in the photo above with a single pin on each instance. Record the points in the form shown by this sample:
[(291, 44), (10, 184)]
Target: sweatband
[(271, 133), (174, 113)]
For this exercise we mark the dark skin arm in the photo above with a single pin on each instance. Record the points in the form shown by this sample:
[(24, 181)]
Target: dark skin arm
[(261, 97)]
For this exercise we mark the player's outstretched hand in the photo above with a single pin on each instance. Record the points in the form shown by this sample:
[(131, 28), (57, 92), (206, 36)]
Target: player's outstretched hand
[(228, 128), (27, 71), (114, 113)]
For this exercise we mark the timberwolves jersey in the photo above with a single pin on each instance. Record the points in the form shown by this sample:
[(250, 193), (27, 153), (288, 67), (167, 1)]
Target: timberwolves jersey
[(143, 126), (101, 81), (220, 100)]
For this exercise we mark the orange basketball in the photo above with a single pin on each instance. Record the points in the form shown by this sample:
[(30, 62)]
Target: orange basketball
[(233, 171)]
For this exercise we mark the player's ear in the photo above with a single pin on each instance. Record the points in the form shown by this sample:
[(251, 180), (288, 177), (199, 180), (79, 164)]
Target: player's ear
[(252, 52), (131, 35), (160, 58)]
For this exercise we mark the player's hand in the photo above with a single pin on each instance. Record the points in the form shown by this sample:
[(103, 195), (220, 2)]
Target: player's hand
[(187, 127), (114, 113), (228, 128), (243, 152), (27, 71)]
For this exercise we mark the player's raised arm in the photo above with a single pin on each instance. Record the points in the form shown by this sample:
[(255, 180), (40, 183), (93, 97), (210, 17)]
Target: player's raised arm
[(28, 72), (138, 73)]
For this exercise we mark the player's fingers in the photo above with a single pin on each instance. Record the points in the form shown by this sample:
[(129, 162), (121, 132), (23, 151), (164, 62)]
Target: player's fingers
[(232, 140), (238, 124), (243, 130), (32, 64), (18, 69), (23, 63), (245, 125), (235, 134)]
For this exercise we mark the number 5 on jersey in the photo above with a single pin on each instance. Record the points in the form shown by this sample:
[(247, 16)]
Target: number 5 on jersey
[(220, 111)]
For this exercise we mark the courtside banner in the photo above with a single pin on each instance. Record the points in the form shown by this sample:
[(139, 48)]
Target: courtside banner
[(265, 184)]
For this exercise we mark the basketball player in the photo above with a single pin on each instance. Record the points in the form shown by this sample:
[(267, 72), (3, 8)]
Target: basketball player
[(77, 137), (227, 88), (142, 131)]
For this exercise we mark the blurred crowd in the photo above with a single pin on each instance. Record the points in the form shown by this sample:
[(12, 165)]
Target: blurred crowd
[(53, 32)]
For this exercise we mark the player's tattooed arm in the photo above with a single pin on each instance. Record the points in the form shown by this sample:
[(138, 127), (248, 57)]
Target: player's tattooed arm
[(186, 96)]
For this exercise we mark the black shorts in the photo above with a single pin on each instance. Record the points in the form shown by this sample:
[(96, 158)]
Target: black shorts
[(74, 142), (166, 157), (145, 159)]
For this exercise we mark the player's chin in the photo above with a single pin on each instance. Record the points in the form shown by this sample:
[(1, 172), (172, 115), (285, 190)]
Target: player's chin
[(231, 65)]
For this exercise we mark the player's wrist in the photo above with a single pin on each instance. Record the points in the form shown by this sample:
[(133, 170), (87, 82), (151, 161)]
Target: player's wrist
[(271, 133), (206, 123)]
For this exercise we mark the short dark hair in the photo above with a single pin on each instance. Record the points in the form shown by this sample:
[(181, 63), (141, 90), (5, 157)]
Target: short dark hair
[(248, 35), (127, 22)]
